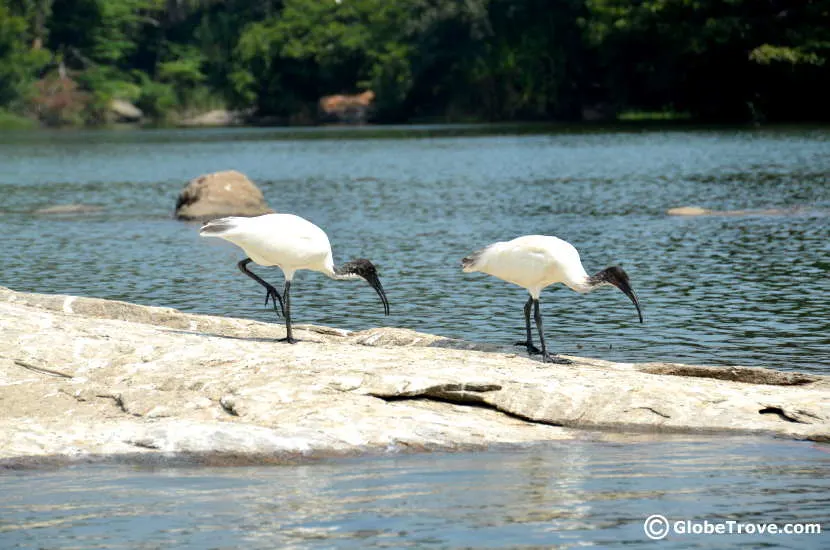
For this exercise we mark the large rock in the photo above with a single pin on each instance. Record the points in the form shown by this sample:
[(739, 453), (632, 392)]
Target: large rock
[(353, 109), (216, 117), (124, 111), (87, 378), (227, 193)]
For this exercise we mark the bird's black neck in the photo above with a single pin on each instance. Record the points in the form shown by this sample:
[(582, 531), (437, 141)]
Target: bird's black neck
[(346, 272), (366, 270), (613, 275)]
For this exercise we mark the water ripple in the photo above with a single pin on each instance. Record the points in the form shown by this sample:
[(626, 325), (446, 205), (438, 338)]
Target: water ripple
[(747, 290), (574, 494)]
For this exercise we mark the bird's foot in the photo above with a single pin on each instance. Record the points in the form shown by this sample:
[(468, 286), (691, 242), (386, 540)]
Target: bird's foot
[(555, 359), (290, 340), (531, 349), (274, 296)]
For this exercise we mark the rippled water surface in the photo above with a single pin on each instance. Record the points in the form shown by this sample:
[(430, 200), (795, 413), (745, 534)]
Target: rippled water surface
[(746, 289), (743, 289), (563, 495)]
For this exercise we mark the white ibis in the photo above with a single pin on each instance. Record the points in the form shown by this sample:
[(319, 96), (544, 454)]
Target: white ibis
[(538, 261), (291, 243)]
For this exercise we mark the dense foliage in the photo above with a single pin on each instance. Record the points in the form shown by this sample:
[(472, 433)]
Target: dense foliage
[(63, 61)]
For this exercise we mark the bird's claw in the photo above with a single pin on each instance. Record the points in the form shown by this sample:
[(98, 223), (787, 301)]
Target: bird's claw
[(546, 357), (531, 349), (555, 359), (288, 340), (274, 296)]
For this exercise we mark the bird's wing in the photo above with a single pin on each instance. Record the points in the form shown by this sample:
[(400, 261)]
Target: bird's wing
[(220, 226)]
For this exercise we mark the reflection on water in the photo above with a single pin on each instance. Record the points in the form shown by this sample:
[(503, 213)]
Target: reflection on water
[(749, 290), (569, 494)]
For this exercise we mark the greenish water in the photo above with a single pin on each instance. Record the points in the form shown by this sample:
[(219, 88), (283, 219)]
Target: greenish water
[(751, 289), (747, 289)]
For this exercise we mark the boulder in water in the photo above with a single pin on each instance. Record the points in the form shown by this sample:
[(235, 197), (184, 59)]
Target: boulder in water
[(228, 193)]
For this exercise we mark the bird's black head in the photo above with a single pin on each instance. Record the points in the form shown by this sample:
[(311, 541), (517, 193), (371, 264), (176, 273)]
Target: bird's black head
[(366, 270), (615, 275)]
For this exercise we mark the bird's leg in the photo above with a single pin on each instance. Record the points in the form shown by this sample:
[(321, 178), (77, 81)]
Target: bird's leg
[(270, 292), (546, 357), (287, 310), (531, 349)]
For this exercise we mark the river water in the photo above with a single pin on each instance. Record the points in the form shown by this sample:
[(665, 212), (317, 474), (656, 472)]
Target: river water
[(748, 289), (563, 495)]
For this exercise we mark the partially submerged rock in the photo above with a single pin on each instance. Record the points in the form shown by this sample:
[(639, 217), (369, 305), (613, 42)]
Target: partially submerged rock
[(84, 377), (699, 211), (688, 211), (68, 210), (228, 193)]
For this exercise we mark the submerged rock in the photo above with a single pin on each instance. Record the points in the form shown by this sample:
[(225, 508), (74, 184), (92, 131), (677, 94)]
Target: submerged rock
[(699, 211), (67, 209), (228, 193), (86, 378), (688, 211)]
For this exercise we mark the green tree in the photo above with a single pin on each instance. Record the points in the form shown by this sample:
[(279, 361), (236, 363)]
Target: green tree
[(531, 65), (37, 14), (19, 63), (424, 59), (706, 56)]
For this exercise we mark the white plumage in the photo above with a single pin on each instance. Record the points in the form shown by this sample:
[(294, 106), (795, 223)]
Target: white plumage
[(283, 240), (290, 243), (538, 261), (533, 262)]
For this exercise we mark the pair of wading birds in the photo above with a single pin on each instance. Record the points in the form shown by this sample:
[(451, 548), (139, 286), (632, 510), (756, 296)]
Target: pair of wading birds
[(293, 243)]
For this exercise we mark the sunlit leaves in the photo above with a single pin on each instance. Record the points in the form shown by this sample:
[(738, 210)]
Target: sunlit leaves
[(767, 53)]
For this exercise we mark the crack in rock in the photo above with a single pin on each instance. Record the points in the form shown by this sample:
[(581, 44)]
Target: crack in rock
[(655, 411), (41, 370), (470, 395), (119, 402), (144, 443), (796, 416), (440, 390)]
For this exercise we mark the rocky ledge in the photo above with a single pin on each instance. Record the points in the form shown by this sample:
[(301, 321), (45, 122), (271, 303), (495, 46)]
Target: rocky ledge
[(84, 378)]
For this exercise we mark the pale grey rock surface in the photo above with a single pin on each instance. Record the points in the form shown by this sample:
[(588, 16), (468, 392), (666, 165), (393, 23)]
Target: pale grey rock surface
[(228, 193), (86, 378)]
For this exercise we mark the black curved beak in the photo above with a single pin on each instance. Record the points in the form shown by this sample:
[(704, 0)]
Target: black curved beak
[(628, 291), (374, 282), (615, 275)]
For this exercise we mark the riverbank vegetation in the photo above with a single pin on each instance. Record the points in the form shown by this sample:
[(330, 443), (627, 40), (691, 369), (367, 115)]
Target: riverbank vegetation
[(63, 62)]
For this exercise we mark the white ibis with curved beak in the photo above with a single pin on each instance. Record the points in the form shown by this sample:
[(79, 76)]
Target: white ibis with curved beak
[(291, 243), (538, 261)]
